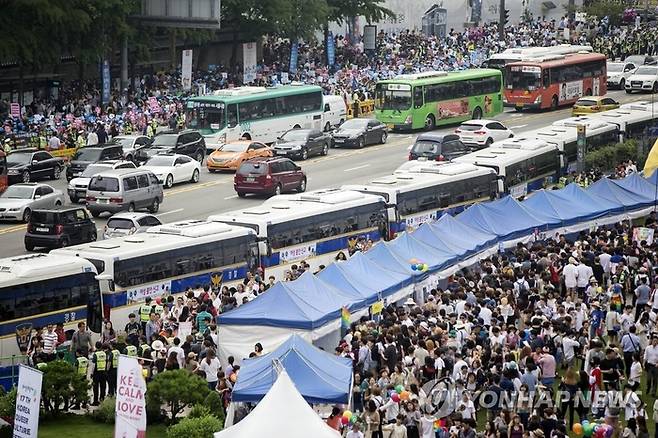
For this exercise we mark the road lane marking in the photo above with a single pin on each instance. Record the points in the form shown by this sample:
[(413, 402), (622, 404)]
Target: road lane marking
[(230, 197), (171, 212), (356, 168), (518, 126), (13, 229)]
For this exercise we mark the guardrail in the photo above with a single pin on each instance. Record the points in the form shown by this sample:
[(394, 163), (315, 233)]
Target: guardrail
[(9, 370), (364, 108)]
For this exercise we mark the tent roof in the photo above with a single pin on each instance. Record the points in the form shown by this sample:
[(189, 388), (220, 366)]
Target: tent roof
[(610, 190), (383, 255), (358, 286), (598, 206), (305, 303), (504, 217), (320, 377), (638, 185), (408, 248), (453, 232), (359, 269), (564, 208), (281, 413)]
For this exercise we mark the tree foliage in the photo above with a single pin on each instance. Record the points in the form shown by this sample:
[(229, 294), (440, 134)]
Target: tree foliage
[(613, 9), (62, 387), (177, 390), (200, 427)]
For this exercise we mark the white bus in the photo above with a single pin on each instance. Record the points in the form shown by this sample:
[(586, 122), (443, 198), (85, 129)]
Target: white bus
[(514, 54), (634, 120), (522, 164), (428, 190), (312, 226), (255, 113), (167, 259), (39, 289), (564, 135)]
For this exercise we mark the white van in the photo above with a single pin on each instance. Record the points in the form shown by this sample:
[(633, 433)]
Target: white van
[(335, 112)]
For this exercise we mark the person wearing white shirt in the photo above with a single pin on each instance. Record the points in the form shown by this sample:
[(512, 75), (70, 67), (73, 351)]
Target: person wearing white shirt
[(92, 139), (355, 432), (651, 365), (180, 354), (604, 258), (584, 274), (210, 366), (485, 314), (569, 346), (570, 273)]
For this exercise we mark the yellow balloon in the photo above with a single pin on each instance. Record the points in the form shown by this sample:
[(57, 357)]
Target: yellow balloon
[(347, 414)]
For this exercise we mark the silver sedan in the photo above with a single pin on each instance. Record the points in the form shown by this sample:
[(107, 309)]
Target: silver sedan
[(20, 200)]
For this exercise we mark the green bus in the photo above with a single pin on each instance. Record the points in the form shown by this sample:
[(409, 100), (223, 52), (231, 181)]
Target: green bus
[(429, 99)]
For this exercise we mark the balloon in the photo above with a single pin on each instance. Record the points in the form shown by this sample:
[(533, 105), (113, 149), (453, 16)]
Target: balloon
[(413, 267), (425, 267), (588, 430), (344, 420), (577, 428), (399, 389), (413, 261), (404, 395), (395, 397), (608, 431), (347, 414), (354, 419), (584, 423)]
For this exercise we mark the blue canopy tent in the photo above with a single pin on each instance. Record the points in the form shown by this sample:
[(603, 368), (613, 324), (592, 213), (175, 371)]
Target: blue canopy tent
[(320, 377), (638, 185), (653, 178), (613, 192), (384, 256), (358, 286), (506, 218), (454, 234), (305, 303), (597, 206), (407, 247), (359, 269), (566, 210)]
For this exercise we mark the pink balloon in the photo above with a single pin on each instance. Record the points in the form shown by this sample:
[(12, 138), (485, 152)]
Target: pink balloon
[(395, 397)]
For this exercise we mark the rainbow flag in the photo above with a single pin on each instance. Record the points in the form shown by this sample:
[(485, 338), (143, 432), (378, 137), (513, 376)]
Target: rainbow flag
[(345, 317)]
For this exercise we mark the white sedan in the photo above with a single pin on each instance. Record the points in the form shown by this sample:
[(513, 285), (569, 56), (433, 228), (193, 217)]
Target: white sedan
[(481, 133), (173, 168)]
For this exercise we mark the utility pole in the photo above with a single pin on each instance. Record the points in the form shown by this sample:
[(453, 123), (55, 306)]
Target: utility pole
[(501, 20)]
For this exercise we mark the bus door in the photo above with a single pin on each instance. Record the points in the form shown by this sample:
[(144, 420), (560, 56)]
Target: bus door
[(253, 257), (233, 129)]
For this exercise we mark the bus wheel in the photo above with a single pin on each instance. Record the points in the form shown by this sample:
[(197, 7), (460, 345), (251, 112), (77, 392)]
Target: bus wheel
[(327, 127), (246, 137), (296, 127), (655, 87), (477, 113), (430, 123), (554, 103), (588, 92)]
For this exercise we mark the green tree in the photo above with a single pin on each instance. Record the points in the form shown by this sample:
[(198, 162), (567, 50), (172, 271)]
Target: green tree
[(62, 386), (613, 9), (176, 389), (202, 427), (340, 11)]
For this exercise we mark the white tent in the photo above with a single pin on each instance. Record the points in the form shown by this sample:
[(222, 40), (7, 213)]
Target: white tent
[(281, 413)]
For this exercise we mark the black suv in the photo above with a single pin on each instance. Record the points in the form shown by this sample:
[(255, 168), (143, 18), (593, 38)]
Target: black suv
[(92, 154), (59, 227), (30, 164), (190, 143)]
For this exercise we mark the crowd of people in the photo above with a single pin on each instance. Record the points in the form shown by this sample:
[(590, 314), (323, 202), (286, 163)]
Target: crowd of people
[(154, 100)]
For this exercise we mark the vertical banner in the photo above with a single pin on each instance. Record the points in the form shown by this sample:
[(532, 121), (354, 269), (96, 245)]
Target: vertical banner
[(28, 400), (581, 142), (331, 50), (249, 61), (15, 109), (130, 419), (186, 74), (106, 82), (294, 54), (369, 38)]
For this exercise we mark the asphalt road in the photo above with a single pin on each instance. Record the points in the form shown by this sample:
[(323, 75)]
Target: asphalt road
[(214, 192)]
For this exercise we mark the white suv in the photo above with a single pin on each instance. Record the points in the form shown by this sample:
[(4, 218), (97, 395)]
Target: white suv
[(77, 188), (618, 73), (645, 78)]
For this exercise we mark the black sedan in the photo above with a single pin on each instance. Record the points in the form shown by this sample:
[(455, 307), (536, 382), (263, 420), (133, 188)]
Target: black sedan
[(359, 133), (302, 143), (30, 165)]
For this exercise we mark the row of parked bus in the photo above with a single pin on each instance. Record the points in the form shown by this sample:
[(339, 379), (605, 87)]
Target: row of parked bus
[(119, 273)]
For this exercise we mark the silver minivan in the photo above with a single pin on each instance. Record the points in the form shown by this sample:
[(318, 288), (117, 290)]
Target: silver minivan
[(124, 190)]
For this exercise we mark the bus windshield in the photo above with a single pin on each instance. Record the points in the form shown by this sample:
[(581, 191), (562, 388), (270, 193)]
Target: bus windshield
[(392, 99), (207, 118), (519, 80)]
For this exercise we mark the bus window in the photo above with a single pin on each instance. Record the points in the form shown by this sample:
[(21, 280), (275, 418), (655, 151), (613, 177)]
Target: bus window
[(232, 115), (418, 97)]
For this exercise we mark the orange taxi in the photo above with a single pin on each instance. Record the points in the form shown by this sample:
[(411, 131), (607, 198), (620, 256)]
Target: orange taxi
[(232, 154)]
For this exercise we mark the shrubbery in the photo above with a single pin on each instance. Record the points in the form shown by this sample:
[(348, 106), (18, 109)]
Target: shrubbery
[(203, 427), (106, 412), (607, 157)]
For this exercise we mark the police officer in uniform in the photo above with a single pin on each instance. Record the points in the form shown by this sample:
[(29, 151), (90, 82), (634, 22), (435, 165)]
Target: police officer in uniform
[(83, 367), (113, 365), (99, 375), (131, 351), (144, 313)]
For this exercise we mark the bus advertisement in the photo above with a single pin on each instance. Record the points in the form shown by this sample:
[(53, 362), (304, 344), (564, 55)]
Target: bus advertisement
[(3, 172), (514, 54), (554, 80), (434, 98), (254, 113)]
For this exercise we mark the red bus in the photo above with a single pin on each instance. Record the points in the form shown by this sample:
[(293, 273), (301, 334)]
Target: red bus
[(554, 80), (3, 171)]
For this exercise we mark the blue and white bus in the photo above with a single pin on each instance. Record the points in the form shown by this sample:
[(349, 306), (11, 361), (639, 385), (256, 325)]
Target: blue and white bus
[(429, 189), (39, 289), (312, 226), (522, 164), (167, 259)]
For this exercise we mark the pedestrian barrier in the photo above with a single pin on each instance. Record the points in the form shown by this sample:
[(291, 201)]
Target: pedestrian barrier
[(366, 108), (9, 370)]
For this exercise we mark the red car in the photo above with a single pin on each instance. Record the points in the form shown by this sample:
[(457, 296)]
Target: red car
[(270, 176)]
